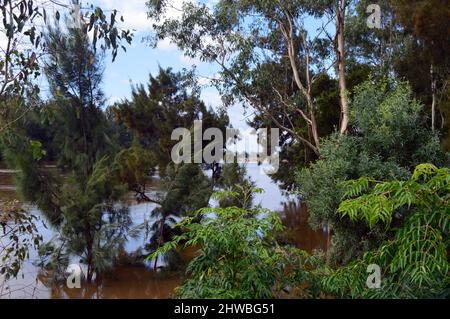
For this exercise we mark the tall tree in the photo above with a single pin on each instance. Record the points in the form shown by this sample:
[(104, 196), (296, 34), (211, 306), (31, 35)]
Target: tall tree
[(165, 104), (82, 203), (340, 10), (168, 102), (428, 22), (75, 74), (248, 38), (411, 43), (23, 46)]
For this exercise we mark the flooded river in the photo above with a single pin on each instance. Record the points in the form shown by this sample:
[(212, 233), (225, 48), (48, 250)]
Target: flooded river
[(139, 281)]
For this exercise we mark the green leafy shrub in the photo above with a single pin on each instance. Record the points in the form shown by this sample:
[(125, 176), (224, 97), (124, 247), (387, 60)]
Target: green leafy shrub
[(389, 137), (415, 261), (238, 256)]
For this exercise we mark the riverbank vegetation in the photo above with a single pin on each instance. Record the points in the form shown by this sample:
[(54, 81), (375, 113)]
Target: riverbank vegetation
[(364, 115)]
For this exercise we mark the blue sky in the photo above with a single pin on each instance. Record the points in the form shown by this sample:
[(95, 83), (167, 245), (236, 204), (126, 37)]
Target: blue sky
[(135, 66), (141, 60)]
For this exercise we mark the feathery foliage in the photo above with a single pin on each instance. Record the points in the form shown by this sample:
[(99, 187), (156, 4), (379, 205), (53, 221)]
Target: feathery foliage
[(414, 261)]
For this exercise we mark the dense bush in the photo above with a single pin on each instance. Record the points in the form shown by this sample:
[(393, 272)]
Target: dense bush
[(238, 256), (388, 139), (414, 261)]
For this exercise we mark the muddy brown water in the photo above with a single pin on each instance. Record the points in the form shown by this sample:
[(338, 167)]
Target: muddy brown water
[(140, 281)]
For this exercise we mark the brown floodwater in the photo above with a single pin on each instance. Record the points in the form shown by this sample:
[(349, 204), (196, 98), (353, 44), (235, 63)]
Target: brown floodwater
[(7, 189), (295, 217), (138, 280), (125, 282)]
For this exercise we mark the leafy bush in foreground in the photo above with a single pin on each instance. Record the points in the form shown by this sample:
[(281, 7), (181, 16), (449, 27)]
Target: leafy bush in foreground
[(415, 262), (238, 256), (389, 138)]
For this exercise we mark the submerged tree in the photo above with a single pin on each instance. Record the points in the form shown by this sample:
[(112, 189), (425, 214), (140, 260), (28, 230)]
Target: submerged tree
[(93, 227), (184, 190), (82, 203), (18, 233), (154, 112), (134, 167)]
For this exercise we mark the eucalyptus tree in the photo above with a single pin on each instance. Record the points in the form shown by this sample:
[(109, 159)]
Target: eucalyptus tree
[(410, 43), (427, 23), (374, 45), (266, 55)]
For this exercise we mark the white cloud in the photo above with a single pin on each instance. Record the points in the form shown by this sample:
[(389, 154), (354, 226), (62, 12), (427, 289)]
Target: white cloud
[(212, 98), (187, 60), (166, 45), (134, 13)]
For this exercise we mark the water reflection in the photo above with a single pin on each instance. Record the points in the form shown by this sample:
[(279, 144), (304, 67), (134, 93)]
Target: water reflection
[(133, 279), (125, 282), (295, 217), (7, 188)]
